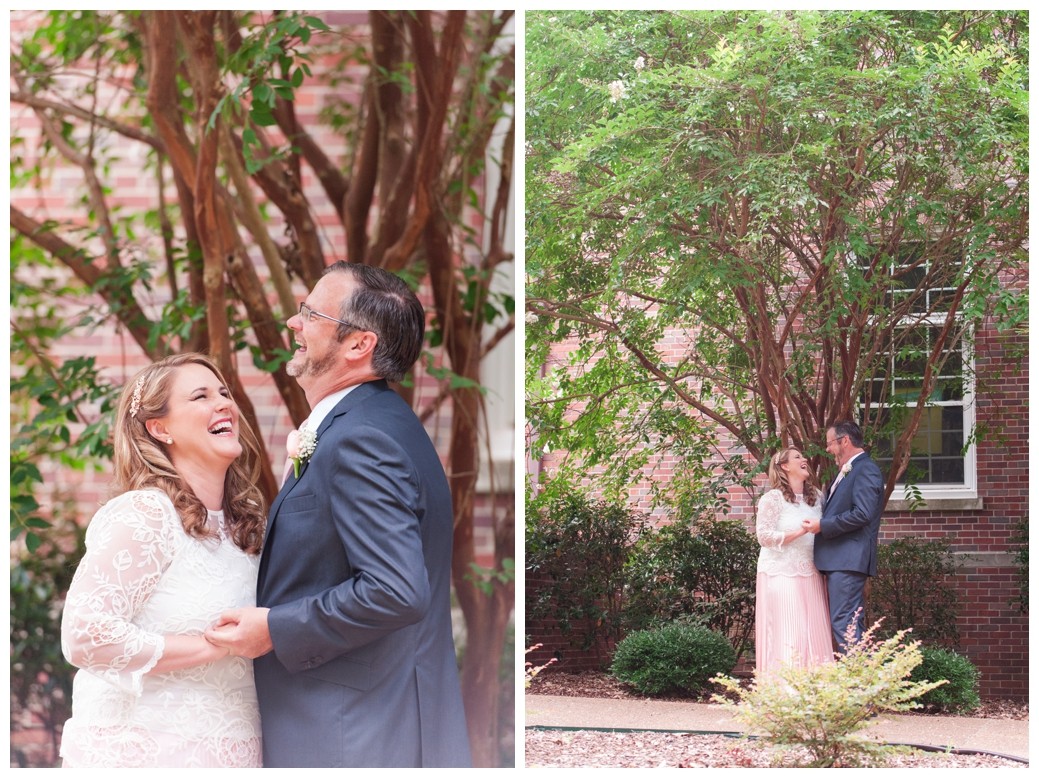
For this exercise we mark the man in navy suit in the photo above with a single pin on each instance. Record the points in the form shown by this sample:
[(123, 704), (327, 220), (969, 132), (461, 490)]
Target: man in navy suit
[(846, 533), (355, 660)]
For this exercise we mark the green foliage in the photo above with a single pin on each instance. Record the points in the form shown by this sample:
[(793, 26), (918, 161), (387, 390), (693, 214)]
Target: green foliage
[(65, 406), (41, 679), (915, 589), (699, 568), (701, 198), (577, 549), (960, 694), (485, 578), (821, 710), (1020, 539), (677, 658), (272, 64)]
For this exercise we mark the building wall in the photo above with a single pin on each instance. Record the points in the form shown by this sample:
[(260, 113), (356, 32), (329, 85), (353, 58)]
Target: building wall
[(57, 196), (993, 631)]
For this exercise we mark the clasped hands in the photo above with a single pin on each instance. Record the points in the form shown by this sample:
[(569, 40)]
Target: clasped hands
[(243, 632), (811, 525)]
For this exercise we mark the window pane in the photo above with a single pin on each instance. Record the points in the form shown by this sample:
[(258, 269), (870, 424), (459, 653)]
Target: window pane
[(937, 447), (947, 471)]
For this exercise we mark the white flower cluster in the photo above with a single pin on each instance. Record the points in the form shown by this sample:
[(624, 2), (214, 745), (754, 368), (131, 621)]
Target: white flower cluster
[(616, 91), (640, 64), (307, 443)]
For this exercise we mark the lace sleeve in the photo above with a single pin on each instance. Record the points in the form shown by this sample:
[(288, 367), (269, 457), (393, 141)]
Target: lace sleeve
[(769, 508), (129, 543)]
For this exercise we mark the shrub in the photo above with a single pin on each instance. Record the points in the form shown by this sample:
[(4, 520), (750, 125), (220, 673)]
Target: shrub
[(822, 708), (41, 679), (531, 670), (961, 691), (914, 589), (701, 568), (578, 548), (1020, 539), (676, 658)]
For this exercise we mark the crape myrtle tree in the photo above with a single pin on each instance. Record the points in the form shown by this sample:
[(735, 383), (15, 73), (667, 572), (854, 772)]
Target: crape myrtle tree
[(747, 225), (204, 100)]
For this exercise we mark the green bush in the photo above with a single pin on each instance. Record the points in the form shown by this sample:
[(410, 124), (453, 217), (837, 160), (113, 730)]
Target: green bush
[(676, 658), (915, 589), (577, 550), (821, 709), (960, 694), (1020, 540), (701, 568), (41, 679)]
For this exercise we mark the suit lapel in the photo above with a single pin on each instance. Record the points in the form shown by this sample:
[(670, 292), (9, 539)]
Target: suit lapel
[(362, 392)]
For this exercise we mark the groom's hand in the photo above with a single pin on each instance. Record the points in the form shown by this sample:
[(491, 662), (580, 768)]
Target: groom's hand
[(243, 632), (811, 525)]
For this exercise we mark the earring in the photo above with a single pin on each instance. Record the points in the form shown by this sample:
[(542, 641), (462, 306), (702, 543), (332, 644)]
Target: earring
[(169, 441)]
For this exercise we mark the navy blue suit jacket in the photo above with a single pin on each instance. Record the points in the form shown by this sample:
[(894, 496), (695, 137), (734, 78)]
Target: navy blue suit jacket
[(356, 569), (850, 523)]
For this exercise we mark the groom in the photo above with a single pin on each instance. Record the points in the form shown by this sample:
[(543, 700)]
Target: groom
[(355, 660), (846, 533)]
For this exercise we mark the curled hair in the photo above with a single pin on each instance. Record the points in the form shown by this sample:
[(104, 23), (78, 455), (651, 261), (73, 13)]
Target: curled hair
[(384, 304), (778, 479), (141, 462)]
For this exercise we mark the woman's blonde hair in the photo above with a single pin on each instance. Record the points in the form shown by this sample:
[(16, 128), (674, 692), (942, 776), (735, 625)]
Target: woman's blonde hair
[(142, 462), (777, 478)]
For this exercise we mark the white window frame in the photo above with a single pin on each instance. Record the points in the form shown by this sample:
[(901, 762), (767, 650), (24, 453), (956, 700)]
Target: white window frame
[(968, 490)]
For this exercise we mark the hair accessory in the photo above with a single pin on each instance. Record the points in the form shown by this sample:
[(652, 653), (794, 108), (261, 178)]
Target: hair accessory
[(135, 401)]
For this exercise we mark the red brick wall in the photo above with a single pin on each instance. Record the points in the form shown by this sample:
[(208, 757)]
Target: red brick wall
[(569, 658), (993, 632), (59, 198)]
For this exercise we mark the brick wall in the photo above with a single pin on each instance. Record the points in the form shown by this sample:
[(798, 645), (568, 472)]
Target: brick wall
[(993, 632), (57, 195)]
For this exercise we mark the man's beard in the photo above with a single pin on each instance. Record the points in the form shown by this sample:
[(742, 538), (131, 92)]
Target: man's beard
[(309, 368)]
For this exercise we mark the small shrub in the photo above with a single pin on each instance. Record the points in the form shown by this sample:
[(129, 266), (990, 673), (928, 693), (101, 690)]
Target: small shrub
[(577, 549), (531, 670), (703, 569), (677, 658), (821, 709), (915, 589), (960, 694), (41, 679)]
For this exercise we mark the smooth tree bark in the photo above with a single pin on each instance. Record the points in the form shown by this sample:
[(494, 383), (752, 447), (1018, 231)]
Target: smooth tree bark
[(207, 97)]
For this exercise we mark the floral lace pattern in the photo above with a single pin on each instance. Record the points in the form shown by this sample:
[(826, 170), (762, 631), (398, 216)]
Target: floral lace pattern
[(143, 577), (777, 517)]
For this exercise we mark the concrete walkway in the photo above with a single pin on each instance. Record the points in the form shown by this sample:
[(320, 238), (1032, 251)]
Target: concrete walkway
[(997, 736)]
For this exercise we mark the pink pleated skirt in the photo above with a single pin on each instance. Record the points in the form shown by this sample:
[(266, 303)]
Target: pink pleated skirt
[(792, 622)]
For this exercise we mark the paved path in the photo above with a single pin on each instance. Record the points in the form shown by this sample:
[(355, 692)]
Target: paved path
[(998, 736)]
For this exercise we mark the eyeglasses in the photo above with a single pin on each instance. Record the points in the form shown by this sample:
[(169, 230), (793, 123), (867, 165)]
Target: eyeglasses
[(307, 313), (835, 439)]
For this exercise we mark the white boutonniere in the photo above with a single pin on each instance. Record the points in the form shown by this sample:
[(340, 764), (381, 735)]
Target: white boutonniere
[(846, 469), (300, 446)]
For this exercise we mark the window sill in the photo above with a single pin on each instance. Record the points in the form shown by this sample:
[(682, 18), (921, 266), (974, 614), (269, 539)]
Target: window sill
[(895, 505)]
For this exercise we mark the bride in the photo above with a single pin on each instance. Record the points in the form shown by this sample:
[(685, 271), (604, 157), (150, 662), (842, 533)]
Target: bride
[(792, 623), (178, 546)]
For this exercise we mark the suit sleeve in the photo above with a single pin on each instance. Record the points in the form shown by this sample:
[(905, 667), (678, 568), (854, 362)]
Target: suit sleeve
[(867, 490), (374, 494)]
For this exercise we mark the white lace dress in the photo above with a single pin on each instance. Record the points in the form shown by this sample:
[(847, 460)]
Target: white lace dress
[(143, 577), (792, 622)]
